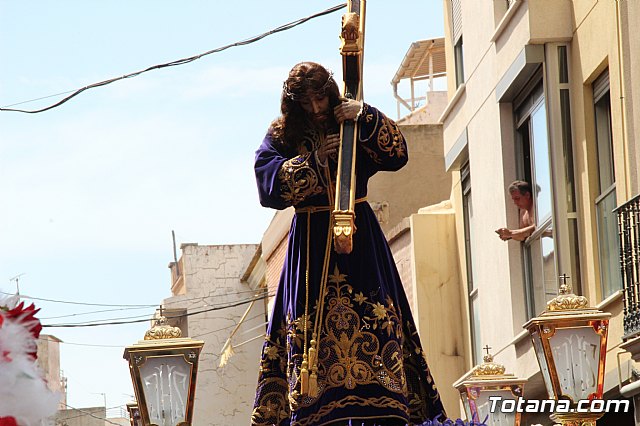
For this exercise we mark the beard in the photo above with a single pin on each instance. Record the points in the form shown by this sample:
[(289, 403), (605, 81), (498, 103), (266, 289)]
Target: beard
[(325, 121), (320, 119)]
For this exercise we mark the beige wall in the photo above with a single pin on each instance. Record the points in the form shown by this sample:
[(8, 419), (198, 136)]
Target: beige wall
[(49, 363), (81, 417), (493, 39), (438, 304), (224, 395), (422, 182), (275, 244), (400, 244)]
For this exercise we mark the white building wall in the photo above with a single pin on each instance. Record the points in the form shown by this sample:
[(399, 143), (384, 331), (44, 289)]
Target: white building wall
[(212, 274)]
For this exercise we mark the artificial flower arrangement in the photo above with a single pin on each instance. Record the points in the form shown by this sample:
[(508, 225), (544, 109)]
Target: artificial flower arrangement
[(448, 422), (25, 399)]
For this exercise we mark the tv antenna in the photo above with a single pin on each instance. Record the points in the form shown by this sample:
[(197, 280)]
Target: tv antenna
[(17, 280)]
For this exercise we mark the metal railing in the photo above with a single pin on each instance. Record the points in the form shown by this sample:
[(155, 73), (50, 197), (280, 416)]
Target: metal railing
[(629, 234)]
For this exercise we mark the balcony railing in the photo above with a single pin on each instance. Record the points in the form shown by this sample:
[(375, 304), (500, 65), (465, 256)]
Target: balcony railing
[(629, 232)]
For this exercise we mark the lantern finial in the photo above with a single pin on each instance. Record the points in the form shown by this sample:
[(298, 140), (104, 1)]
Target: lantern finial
[(566, 300), (488, 367), (162, 330)]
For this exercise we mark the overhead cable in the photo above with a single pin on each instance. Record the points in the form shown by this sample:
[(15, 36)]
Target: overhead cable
[(183, 61), (216, 308), (22, 296), (123, 306), (90, 414)]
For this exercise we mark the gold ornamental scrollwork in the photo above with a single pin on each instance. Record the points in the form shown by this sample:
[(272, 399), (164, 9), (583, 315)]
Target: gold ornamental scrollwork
[(350, 34), (567, 301), (488, 367), (343, 229), (162, 330)]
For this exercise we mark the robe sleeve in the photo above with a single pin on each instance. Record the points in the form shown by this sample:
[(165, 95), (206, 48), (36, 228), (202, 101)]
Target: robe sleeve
[(282, 181), (381, 140)]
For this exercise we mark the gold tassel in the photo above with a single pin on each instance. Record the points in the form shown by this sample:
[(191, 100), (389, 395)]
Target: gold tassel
[(227, 352), (313, 385), (312, 354), (304, 378), (313, 360)]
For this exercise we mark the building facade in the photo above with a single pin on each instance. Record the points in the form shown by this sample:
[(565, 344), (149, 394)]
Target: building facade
[(49, 363), (212, 301), (540, 91)]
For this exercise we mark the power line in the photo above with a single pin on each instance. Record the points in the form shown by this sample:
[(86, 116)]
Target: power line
[(90, 414), (140, 316), (40, 98), (81, 344), (84, 414), (125, 306), (79, 303), (183, 61), (92, 312), (216, 308), (122, 346), (225, 328)]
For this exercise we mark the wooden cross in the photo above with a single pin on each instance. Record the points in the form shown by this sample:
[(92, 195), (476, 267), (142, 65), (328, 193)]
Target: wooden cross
[(352, 50)]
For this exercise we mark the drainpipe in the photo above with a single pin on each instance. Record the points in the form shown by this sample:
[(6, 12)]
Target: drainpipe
[(627, 177)]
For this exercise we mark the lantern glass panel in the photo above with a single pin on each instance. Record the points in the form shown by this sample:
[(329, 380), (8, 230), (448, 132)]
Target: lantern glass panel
[(542, 361), (165, 382), (465, 404), (499, 417), (135, 416), (576, 353)]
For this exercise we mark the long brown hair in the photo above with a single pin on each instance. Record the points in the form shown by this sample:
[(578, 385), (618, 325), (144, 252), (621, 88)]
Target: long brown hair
[(304, 78)]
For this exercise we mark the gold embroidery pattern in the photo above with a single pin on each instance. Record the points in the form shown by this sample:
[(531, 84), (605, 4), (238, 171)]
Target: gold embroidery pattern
[(295, 345), (351, 400), (389, 139), (273, 406), (298, 179), (416, 367), (349, 354)]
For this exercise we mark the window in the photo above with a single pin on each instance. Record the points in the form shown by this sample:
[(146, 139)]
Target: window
[(459, 63), (534, 166), (605, 202), (456, 28), (567, 238), (474, 313)]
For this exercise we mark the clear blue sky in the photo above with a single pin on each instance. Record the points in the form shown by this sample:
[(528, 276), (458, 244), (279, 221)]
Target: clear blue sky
[(91, 190)]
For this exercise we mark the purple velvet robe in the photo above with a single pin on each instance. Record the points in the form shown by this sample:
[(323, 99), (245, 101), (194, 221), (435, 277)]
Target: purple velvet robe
[(371, 366)]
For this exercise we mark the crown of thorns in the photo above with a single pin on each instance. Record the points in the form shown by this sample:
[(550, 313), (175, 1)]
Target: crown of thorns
[(288, 93)]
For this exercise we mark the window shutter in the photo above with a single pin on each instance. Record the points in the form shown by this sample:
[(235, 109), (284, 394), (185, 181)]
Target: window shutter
[(601, 86), (456, 19)]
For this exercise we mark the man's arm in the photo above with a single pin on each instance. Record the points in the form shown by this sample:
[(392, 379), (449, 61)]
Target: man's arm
[(526, 229), (515, 234)]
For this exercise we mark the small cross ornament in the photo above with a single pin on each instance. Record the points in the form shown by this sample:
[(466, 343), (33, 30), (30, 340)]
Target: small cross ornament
[(564, 287)]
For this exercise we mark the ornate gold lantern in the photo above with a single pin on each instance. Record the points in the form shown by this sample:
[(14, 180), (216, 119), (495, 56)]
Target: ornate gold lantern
[(134, 414), (570, 341), (485, 390), (163, 370)]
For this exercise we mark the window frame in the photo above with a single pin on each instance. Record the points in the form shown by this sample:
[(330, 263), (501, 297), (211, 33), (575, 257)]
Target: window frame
[(475, 331), (609, 271), (530, 100)]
